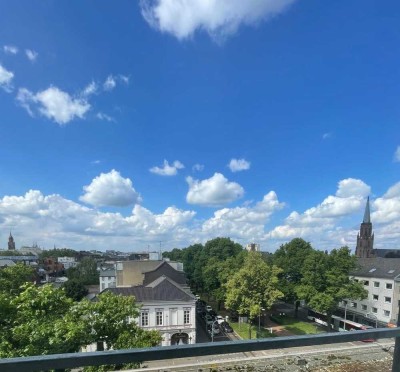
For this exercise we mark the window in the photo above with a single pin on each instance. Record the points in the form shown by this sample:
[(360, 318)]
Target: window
[(389, 286), (375, 297), (366, 282), (159, 317), (374, 310), (376, 284), (144, 318), (388, 300), (386, 312), (364, 307), (186, 316), (353, 304)]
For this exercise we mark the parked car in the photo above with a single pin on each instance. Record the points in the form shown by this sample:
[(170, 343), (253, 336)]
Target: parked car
[(226, 327), (220, 319), (212, 313), (208, 308), (209, 320)]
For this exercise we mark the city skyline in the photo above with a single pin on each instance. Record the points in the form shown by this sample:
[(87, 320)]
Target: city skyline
[(129, 123)]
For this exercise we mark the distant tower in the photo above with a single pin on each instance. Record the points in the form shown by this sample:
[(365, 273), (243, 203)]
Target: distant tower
[(11, 243), (365, 238)]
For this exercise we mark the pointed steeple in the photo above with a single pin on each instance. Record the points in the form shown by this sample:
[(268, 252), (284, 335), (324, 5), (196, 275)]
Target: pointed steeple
[(367, 217)]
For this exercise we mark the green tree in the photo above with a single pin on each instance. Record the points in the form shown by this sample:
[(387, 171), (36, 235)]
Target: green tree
[(58, 252), (290, 258), (37, 323), (85, 272), (13, 277), (326, 281), (253, 287), (109, 318), (43, 320), (75, 289)]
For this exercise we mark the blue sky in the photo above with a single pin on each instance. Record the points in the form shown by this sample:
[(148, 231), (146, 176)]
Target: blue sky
[(128, 123)]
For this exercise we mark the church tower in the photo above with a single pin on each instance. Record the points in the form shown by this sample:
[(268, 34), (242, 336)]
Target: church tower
[(11, 243), (365, 238)]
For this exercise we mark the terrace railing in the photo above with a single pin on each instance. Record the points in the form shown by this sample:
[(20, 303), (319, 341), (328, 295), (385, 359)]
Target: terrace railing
[(73, 360)]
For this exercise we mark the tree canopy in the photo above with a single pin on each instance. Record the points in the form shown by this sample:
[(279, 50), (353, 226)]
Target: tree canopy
[(253, 287), (85, 272), (326, 281)]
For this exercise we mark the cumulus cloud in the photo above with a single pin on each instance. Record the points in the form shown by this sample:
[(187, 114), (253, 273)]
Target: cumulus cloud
[(167, 169), (31, 54), (110, 83), (53, 220), (214, 191), (237, 165), (10, 49), (54, 104), (5, 79), (110, 189), (349, 198), (396, 156), (219, 18), (244, 223), (387, 207)]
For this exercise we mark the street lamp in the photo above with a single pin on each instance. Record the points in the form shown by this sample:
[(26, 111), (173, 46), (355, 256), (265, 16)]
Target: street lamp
[(212, 330), (259, 321), (345, 315)]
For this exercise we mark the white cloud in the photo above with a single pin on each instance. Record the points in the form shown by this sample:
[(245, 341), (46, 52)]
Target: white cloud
[(54, 104), (31, 54), (5, 79), (237, 165), (327, 135), (350, 198), (110, 189), (244, 223), (396, 156), (10, 49), (387, 207), (214, 191), (198, 168), (90, 89), (167, 169), (103, 116), (219, 18), (110, 83)]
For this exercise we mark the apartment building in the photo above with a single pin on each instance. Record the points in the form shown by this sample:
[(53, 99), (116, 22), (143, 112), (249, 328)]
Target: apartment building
[(381, 278)]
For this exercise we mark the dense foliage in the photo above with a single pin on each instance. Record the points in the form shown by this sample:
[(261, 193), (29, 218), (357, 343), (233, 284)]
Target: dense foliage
[(253, 287), (43, 320), (326, 281), (85, 272), (208, 267)]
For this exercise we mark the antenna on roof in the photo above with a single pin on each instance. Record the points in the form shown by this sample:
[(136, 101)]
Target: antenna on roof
[(160, 256)]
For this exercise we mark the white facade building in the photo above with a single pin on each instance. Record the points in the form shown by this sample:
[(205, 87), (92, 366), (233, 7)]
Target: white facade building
[(165, 307), (68, 262), (381, 278), (253, 247), (107, 279)]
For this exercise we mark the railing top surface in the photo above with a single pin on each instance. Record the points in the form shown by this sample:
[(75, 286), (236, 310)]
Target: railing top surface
[(72, 360)]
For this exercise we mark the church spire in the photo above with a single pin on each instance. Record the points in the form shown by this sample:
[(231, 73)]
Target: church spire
[(365, 238), (367, 216)]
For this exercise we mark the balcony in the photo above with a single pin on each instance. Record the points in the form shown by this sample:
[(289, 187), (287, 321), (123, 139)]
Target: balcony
[(74, 360)]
